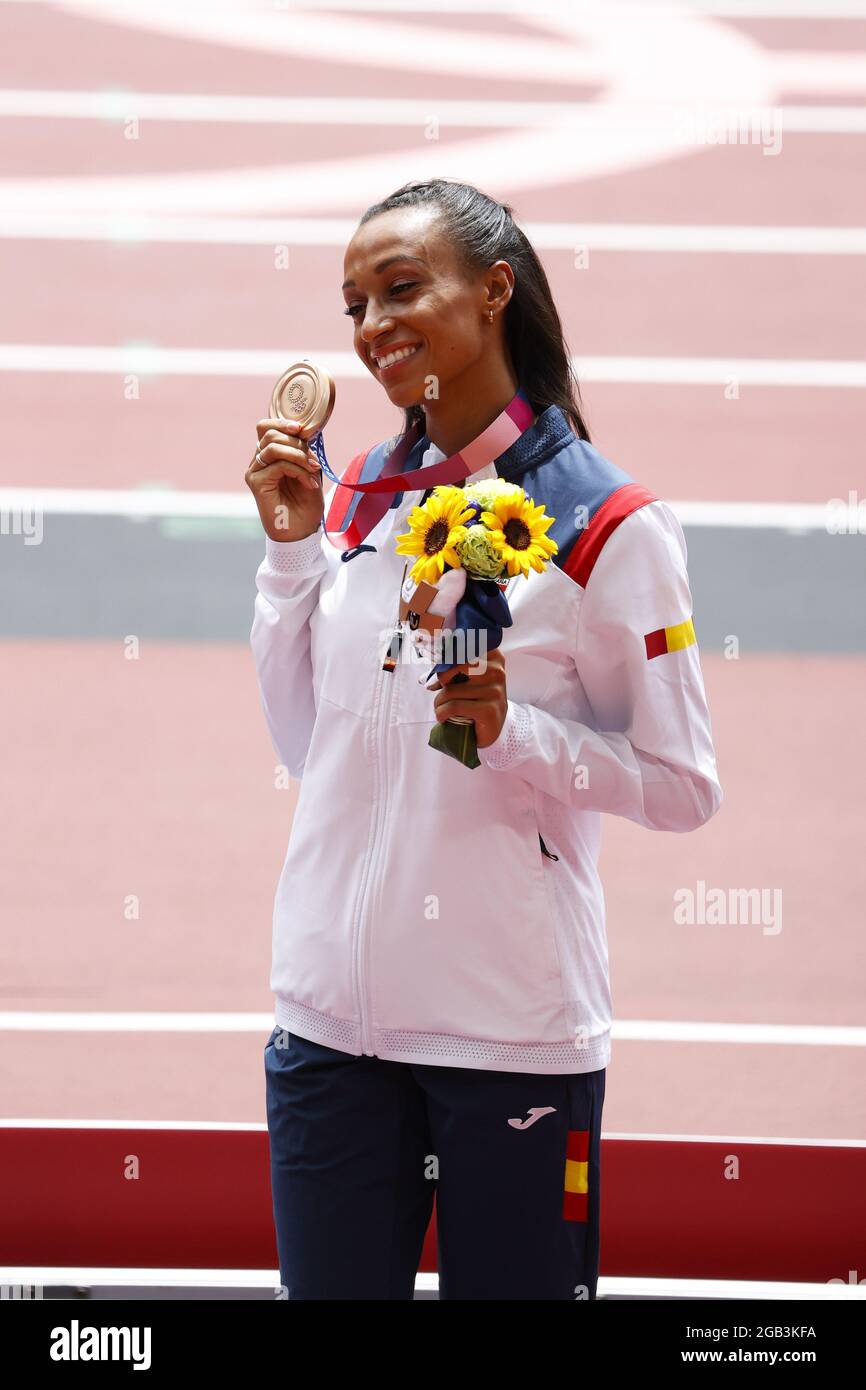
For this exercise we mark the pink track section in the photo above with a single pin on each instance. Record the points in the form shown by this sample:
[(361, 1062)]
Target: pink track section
[(124, 796)]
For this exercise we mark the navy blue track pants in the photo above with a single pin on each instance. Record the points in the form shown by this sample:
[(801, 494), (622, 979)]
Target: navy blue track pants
[(359, 1145)]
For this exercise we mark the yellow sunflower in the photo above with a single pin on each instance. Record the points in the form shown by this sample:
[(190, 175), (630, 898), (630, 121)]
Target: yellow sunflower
[(435, 529), (517, 530)]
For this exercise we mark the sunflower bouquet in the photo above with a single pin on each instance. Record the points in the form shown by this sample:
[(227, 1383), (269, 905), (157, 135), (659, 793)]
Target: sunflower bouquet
[(467, 542)]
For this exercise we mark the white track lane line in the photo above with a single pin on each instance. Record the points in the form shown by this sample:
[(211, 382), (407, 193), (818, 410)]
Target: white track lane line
[(147, 359), (721, 9), (335, 231), (145, 502), (90, 1276), (624, 1030), (728, 9), (70, 1122), (675, 121)]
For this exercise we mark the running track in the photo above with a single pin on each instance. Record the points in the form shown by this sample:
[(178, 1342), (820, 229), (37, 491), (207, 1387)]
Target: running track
[(710, 293)]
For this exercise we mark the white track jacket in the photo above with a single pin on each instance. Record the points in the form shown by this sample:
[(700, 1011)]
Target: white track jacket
[(432, 913)]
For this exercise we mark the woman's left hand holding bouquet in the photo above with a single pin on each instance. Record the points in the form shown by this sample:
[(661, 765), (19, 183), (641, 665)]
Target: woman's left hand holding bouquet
[(483, 698)]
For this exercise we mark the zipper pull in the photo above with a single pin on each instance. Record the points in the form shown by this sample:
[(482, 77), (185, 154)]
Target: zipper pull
[(395, 645), (545, 850), (392, 656)]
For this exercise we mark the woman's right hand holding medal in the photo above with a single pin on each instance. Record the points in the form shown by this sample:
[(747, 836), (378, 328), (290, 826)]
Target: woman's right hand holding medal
[(285, 478)]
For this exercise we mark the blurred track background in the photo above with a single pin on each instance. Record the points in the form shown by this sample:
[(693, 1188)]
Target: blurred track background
[(178, 183)]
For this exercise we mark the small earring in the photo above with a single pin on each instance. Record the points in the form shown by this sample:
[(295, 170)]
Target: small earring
[(490, 312)]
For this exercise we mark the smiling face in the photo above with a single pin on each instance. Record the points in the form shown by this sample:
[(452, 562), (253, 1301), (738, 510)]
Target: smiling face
[(406, 290)]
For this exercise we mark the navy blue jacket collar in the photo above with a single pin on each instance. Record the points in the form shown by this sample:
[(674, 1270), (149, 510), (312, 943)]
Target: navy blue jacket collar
[(537, 443)]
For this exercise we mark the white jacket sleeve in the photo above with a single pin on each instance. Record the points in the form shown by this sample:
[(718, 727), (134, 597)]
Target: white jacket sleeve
[(650, 757), (288, 582)]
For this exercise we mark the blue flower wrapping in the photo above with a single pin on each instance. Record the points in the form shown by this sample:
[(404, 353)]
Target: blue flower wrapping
[(482, 607)]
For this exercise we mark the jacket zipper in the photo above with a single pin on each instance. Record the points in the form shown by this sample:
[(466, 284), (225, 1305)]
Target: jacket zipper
[(382, 709), (545, 850)]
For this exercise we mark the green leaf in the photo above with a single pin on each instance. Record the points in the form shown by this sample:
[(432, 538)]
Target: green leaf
[(457, 740)]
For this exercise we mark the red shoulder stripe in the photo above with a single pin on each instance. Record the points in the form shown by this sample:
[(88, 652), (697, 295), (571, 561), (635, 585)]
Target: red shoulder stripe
[(341, 497), (614, 509)]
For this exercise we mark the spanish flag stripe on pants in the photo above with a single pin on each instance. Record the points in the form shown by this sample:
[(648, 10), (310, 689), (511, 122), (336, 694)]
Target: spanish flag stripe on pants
[(576, 1187), (670, 639)]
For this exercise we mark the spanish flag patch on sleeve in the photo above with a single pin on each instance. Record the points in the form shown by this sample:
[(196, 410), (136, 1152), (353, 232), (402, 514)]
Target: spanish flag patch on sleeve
[(669, 639), (576, 1195)]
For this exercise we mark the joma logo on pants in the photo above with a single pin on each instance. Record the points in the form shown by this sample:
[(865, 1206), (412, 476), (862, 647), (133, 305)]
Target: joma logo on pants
[(101, 1344)]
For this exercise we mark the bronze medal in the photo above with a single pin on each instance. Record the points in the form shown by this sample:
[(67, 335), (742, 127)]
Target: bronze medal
[(305, 393)]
